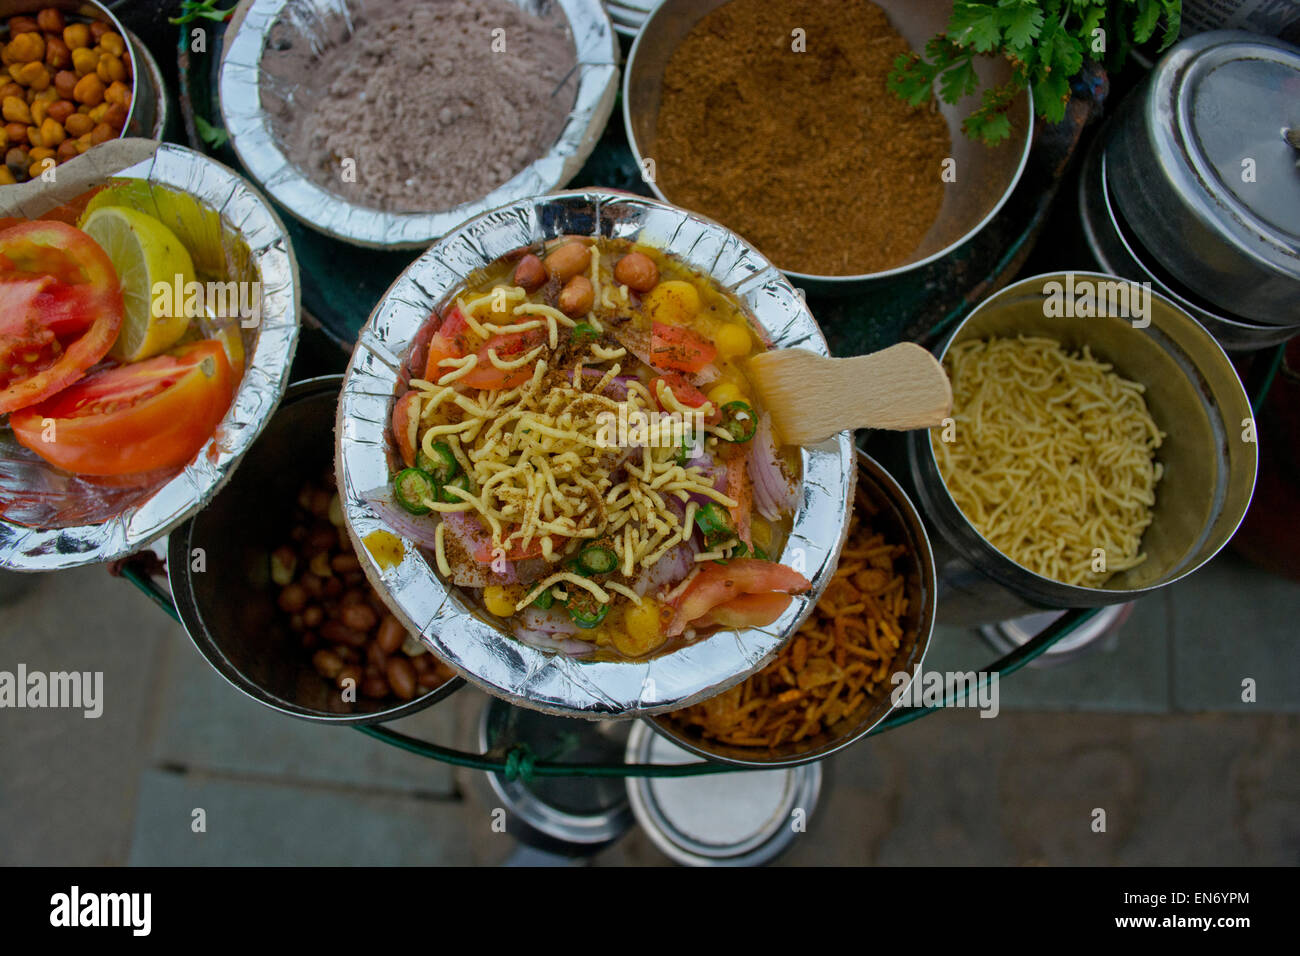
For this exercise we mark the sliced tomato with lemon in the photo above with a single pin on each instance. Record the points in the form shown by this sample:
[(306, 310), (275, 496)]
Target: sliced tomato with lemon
[(748, 610), (133, 418), (60, 310), (404, 428), (720, 584), (677, 347)]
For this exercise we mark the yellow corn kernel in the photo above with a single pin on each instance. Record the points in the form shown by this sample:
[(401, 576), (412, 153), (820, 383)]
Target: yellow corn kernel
[(497, 600), (673, 302), (732, 340), (642, 631), (725, 392), (760, 532)]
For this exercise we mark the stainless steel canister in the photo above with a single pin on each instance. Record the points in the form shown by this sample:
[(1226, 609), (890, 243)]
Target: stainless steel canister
[(1209, 454)]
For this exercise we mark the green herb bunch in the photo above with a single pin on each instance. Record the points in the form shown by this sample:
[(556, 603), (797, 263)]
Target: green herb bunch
[(1046, 42)]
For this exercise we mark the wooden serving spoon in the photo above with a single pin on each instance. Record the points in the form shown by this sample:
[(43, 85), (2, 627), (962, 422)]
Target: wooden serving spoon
[(812, 398)]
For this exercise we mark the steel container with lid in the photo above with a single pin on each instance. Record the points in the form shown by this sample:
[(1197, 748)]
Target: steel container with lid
[(1202, 165)]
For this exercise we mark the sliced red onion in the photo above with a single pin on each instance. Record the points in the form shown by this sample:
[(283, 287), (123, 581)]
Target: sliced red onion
[(668, 570), (545, 642), (705, 376), (773, 494), (550, 621), (617, 387), (418, 529)]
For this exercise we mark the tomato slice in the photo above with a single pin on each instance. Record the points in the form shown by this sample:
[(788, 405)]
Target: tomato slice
[(60, 310), (720, 584), (748, 610), (455, 339), (402, 410), (133, 418), (683, 391), (676, 347)]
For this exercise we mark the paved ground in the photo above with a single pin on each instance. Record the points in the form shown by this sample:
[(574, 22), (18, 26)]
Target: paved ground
[(1151, 728)]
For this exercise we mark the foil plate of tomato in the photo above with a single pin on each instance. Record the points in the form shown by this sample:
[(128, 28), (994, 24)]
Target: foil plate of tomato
[(112, 432), (405, 575)]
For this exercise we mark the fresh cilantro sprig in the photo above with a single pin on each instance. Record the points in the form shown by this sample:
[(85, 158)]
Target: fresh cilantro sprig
[(192, 10), (1046, 42)]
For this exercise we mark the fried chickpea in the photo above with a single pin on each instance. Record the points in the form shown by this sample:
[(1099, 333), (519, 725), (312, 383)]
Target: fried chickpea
[(637, 271), (568, 260), (577, 297), (90, 90), (50, 20), (673, 303), (102, 134), (642, 631), (52, 133), (6, 177), (26, 48), (732, 340), (110, 69), (497, 601), (118, 92), (84, 61), (84, 143), (16, 110), (112, 43), (35, 76), (41, 163), (76, 36)]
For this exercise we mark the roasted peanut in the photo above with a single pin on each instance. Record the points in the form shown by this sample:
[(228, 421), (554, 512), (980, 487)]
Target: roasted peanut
[(13, 89), (66, 151), (17, 134), (51, 20), (61, 110), (350, 676), (293, 598), (637, 271), (102, 134), (359, 617), (99, 29), (65, 81), (16, 159), (577, 297), (401, 677), (84, 143), (57, 54), (327, 663), (115, 116), (530, 273), (19, 25), (78, 124), (568, 260), (391, 634)]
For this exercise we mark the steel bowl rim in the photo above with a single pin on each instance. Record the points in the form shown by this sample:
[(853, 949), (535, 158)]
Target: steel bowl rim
[(178, 551), (921, 459), (831, 280), (910, 516), (589, 700), (270, 166)]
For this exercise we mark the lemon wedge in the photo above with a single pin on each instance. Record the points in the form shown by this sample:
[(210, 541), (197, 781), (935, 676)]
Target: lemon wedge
[(144, 252)]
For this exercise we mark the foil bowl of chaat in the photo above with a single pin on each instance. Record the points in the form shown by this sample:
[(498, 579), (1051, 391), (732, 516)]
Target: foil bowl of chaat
[(558, 471)]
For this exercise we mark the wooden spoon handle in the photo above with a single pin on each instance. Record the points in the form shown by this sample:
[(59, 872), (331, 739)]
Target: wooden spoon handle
[(897, 388)]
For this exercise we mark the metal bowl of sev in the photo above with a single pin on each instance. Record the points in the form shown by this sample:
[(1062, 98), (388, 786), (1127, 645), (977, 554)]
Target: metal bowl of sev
[(443, 617), (869, 678), (270, 161)]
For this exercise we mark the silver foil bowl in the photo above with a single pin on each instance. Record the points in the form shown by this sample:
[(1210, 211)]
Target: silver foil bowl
[(253, 137), (986, 175), (462, 635), (125, 520), (899, 521)]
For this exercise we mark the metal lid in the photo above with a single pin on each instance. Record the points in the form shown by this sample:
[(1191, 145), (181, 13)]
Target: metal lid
[(725, 819), (1202, 168), (1007, 635)]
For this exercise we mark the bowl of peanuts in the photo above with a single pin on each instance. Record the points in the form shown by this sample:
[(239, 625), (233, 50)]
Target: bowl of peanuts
[(71, 77), (851, 660), (271, 592)]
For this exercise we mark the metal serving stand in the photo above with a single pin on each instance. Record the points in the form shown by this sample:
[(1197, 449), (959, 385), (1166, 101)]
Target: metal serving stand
[(341, 290)]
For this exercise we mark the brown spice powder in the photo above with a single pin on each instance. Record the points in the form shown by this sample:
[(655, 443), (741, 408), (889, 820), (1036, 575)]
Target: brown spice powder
[(805, 154)]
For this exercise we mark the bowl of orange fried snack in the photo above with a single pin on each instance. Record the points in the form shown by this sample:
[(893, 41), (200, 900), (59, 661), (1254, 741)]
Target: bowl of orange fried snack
[(838, 676)]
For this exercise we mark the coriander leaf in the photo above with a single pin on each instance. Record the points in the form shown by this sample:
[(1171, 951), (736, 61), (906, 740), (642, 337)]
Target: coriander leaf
[(1144, 25), (958, 81), (974, 25), (1022, 21), (1050, 96), (214, 136), (1173, 22)]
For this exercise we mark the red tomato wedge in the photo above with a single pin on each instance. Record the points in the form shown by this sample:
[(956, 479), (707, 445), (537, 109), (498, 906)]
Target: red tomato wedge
[(455, 339), (60, 310), (682, 390), (403, 434), (672, 346), (748, 610), (720, 584), (133, 418)]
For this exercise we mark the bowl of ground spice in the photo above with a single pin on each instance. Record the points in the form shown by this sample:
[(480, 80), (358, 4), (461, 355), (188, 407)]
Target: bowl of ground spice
[(774, 118), (387, 124)]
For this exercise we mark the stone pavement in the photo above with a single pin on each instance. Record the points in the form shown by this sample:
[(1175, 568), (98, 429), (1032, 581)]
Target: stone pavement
[(1150, 727)]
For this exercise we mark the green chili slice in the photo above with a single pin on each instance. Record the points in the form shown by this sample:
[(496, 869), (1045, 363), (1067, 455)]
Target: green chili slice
[(544, 600), (597, 559), (461, 481), (714, 523), (586, 611), (441, 466), (738, 421), (584, 330), (411, 487)]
